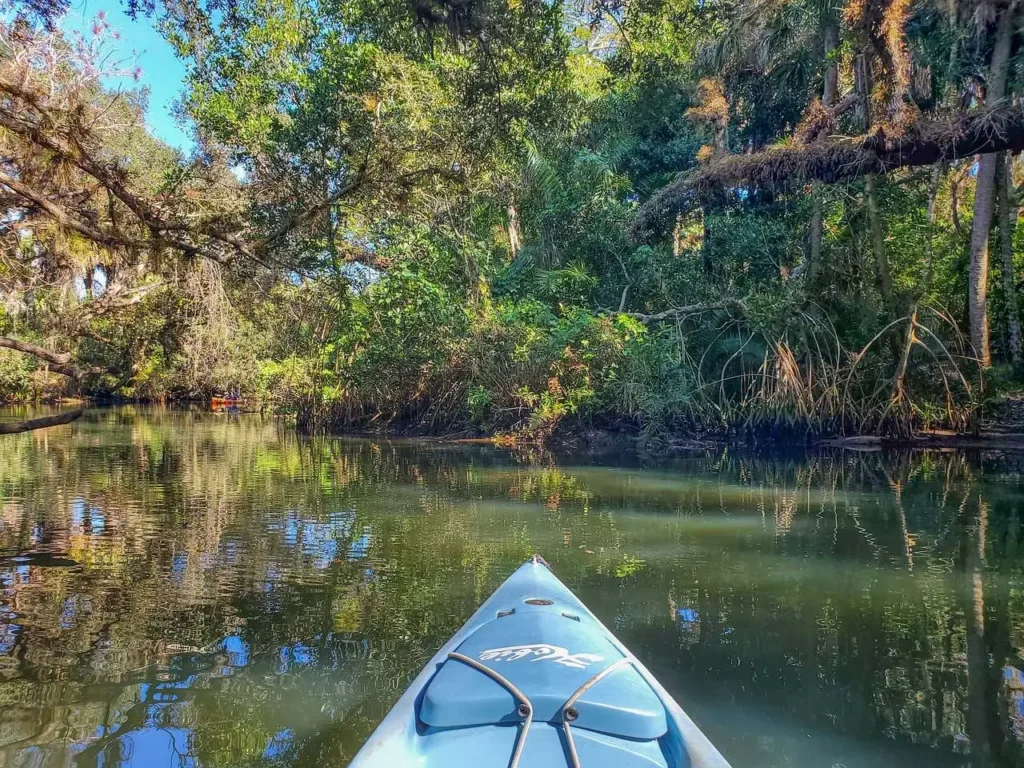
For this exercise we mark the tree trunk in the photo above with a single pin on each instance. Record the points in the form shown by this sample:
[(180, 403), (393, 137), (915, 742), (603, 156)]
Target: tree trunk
[(952, 21), (984, 195), (817, 230), (929, 263), (899, 401), (830, 36), (978, 287), (878, 246), (515, 237), (705, 248), (862, 87), (1008, 211)]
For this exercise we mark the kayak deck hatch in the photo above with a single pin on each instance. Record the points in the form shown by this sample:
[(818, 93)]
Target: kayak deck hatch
[(552, 658)]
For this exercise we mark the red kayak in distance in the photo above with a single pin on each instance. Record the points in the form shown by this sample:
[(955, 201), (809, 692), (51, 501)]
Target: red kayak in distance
[(226, 402)]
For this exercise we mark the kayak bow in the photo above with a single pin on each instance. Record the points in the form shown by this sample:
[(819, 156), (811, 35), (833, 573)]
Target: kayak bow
[(534, 679)]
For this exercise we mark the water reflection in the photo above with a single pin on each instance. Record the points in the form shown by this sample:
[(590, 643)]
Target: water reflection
[(186, 589)]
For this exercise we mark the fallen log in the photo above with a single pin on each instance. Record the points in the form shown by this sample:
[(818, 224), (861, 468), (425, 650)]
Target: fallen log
[(56, 420), (833, 160)]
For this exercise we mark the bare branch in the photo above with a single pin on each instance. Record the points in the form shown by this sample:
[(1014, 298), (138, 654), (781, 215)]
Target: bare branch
[(117, 298), (686, 311)]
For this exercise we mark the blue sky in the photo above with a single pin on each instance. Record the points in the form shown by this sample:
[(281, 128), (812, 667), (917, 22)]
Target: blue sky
[(162, 72)]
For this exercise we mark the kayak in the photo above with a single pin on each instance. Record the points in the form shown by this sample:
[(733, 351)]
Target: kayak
[(533, 679)]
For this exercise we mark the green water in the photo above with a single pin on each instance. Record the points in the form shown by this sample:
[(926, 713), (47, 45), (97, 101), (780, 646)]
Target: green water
[(188, 589)]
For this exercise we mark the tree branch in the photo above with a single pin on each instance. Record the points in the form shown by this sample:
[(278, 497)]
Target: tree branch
[(61, 216), (16, 427), (63, 133), (116, 298), (688, 310), (832, 160), (59, 362)]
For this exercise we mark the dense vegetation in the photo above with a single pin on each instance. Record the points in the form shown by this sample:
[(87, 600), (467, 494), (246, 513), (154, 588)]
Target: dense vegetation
[(519, 216)]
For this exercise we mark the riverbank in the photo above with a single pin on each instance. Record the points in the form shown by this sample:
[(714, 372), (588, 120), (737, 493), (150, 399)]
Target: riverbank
[(1001, 429), (608, 441)]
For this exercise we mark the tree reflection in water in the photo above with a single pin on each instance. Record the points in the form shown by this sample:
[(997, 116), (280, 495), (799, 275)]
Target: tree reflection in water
[(185, 589)]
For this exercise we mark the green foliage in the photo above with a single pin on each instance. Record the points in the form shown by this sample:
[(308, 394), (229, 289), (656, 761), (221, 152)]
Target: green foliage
[(488, 160), (284, 383), (16, 383), (409, 358)]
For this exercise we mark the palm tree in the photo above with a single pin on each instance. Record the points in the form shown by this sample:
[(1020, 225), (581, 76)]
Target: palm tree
[(985, 191)]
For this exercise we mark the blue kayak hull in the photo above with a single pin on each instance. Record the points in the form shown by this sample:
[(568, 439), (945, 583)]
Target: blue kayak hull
[(534, 679)]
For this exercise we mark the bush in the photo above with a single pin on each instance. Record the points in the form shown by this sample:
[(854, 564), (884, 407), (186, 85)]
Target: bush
[(16, 379)]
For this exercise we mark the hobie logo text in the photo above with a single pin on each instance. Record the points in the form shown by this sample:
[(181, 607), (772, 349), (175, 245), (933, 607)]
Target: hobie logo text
[(541, 652)]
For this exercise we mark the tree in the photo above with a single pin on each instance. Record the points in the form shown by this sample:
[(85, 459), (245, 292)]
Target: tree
[(95, 206), (985, 189), (98, 201), (509, 175)]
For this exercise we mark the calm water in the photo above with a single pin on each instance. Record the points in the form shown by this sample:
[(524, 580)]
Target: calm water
[(185, 589)]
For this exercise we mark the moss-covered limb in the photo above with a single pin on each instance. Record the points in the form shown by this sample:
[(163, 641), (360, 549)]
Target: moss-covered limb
[(833, 160)]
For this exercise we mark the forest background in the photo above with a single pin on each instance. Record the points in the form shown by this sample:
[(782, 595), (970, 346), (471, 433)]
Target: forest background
[(524, 217)]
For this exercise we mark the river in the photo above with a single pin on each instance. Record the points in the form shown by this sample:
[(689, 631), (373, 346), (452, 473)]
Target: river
[(180, 588)]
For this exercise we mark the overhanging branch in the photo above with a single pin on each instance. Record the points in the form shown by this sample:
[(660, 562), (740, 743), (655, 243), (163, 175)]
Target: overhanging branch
[(833, 160), (60, 215), (58, 362)]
